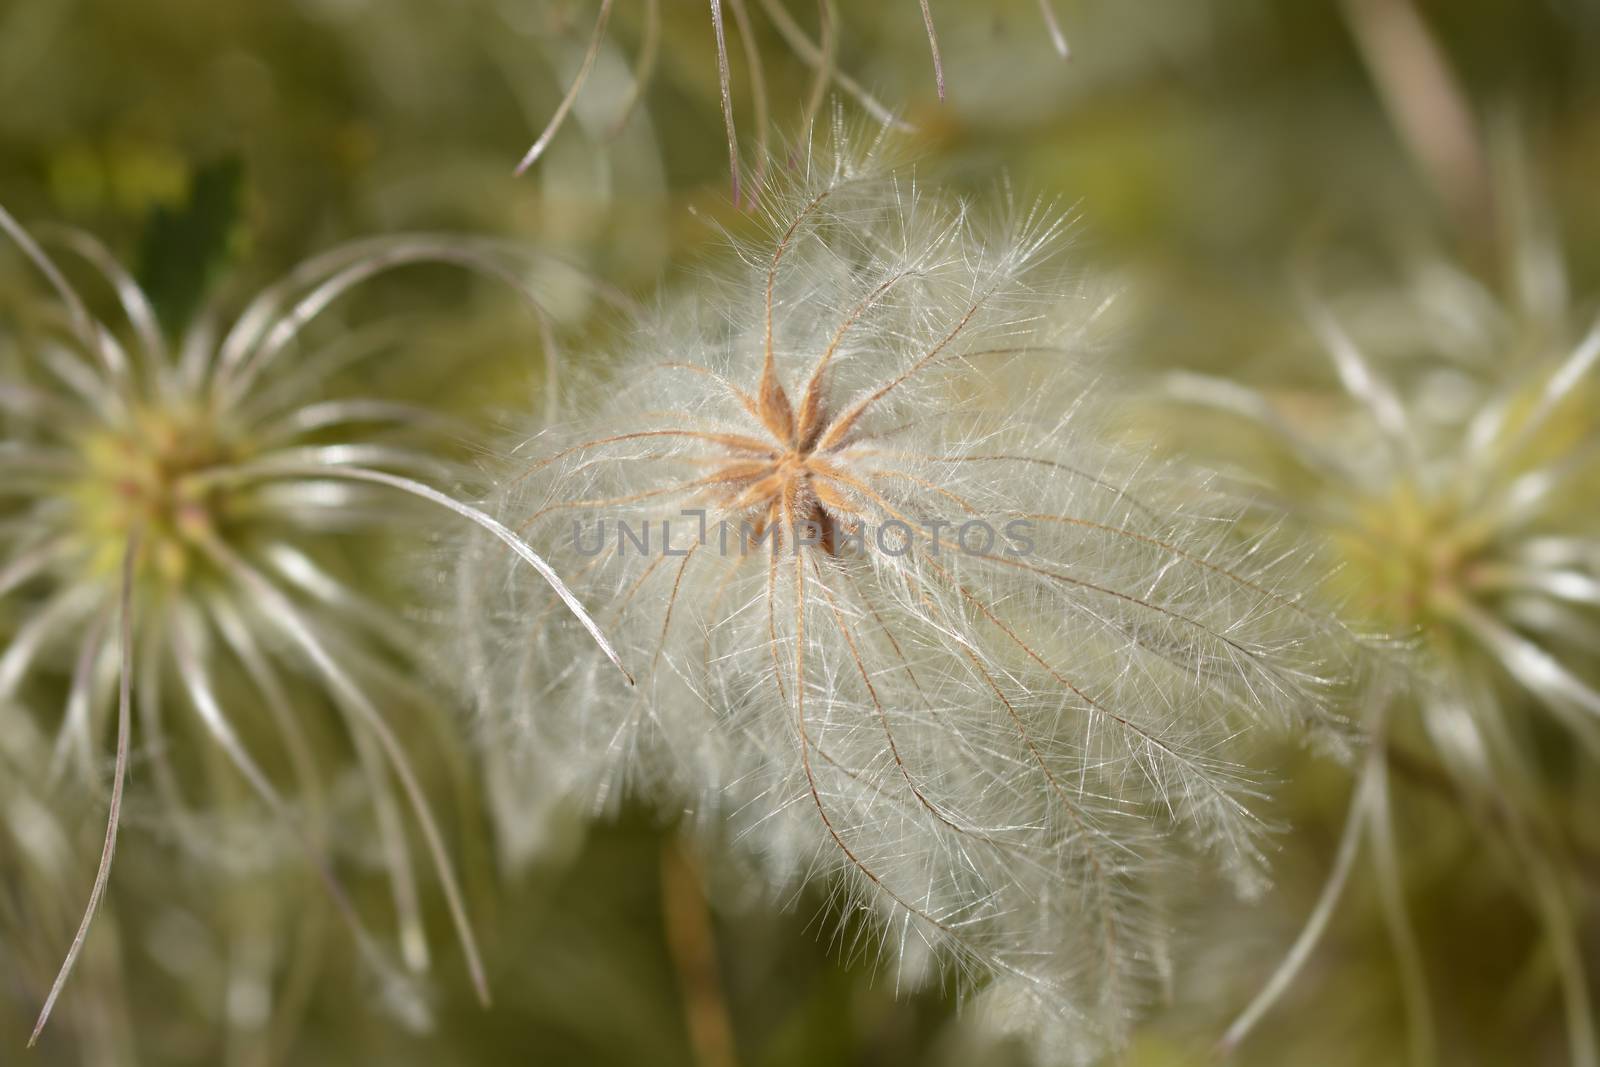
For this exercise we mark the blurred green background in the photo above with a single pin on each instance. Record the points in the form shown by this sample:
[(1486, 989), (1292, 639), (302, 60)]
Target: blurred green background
[(1203, 143)]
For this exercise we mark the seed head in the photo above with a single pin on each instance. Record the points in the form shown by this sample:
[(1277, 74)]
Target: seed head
[(907, 621), (1449, 472), (163, 509)]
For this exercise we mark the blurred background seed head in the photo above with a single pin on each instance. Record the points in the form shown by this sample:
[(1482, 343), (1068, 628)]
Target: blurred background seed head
[(1210, 144)]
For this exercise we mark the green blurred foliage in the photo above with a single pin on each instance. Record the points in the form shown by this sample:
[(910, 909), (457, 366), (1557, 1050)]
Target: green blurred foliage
[(184, 248)]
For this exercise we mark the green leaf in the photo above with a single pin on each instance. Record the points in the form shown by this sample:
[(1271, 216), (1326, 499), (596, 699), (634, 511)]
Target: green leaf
[(184, 248)]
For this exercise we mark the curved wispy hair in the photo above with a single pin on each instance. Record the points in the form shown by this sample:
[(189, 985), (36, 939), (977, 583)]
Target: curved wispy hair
[(819, 53), (1451, 470), (985, 673), (162, 509), (41, 875)]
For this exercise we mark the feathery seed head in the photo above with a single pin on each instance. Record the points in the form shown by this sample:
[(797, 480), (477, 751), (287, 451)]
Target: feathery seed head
[(906, 621), (162, 509), (1450, 473), (1445, 481)]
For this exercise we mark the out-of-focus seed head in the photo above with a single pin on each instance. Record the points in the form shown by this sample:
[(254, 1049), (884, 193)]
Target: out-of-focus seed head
[(1449, 466), (161, 515)]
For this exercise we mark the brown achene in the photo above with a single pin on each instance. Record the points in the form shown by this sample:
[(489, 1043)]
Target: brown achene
[(796, 478)]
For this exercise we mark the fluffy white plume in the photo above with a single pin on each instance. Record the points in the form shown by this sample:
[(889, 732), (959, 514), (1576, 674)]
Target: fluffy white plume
[(985, 672)]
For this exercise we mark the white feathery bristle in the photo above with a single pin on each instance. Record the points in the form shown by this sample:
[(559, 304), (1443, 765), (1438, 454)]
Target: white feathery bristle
[(987, 736)]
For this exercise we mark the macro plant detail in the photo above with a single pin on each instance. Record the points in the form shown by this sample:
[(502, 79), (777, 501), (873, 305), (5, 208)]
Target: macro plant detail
[(820, 53), (162, 514), (39, 905), (1096, 567), (985, 756), (1444, 479)]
